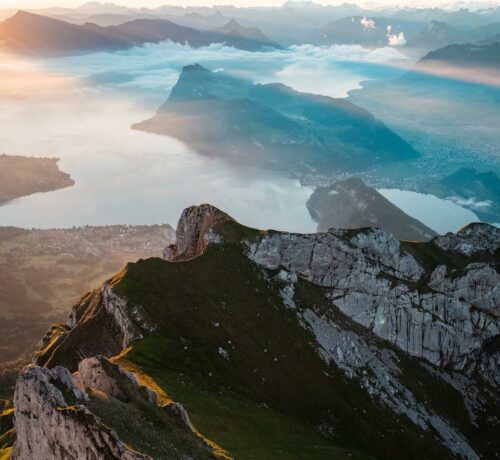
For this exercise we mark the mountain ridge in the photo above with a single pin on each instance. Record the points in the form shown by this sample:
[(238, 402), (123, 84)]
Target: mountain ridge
[(43, 36), (331, 340), (352, 204)]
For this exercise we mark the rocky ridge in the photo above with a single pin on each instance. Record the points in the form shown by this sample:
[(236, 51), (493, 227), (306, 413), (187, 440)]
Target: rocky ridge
[(378, 284)]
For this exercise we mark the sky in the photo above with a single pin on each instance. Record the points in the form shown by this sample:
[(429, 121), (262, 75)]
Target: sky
[(19, 4)]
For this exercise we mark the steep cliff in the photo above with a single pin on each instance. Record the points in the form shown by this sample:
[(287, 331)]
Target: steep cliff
[(279, 345)]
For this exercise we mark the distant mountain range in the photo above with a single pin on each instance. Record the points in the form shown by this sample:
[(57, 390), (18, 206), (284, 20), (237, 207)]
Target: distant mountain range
[(235, 30), (274, 126), (37, 35), (293, 23), (466, 56), (439, 34), (352, 204), (367, 31)]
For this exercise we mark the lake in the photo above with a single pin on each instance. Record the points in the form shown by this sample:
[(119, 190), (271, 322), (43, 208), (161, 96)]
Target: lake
[(126, 176)]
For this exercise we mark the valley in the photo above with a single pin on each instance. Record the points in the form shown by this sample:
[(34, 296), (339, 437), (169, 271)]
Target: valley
[(44, 272)]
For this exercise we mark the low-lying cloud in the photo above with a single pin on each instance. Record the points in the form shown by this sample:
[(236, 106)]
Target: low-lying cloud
[(154, 68)]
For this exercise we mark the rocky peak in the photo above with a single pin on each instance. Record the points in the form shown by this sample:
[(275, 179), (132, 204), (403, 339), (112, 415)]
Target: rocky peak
[(55, 415), (194, 231), (52, 421)]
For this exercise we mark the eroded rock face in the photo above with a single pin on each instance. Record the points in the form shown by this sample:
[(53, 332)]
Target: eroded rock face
[(114, 324), (378, 372), (194, 231), (52, 421), (98, 373), (446, 320)]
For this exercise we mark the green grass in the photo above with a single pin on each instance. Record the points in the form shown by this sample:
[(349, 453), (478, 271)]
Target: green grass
[(246, 429)]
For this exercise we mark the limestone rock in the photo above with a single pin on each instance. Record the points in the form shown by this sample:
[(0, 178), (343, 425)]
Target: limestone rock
[(471, 239), (194, 231), (446, 318), (52, 422)]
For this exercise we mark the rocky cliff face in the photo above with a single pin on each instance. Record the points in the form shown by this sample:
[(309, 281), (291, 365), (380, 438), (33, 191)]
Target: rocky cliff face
[(408, 330), (194, 231), (448, 319), (53, 417), (52, 421)]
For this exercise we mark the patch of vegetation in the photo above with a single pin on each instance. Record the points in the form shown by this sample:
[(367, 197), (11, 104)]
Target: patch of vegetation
[(149, 429)]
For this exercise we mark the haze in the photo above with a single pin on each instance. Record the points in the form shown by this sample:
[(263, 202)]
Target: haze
[(241, 3)]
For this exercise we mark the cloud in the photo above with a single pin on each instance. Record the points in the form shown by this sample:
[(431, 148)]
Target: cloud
[(151, 70), (367, 23), (471, 203), (396, 39)]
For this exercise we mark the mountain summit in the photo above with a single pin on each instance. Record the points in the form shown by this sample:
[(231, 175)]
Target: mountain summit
[(235, 29)]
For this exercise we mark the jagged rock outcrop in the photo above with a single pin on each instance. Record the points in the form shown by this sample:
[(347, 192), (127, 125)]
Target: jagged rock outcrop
[(54, 417), (471, 239), (52, 421), (350, 203), (98, 373), (194, 231), (115, 323)]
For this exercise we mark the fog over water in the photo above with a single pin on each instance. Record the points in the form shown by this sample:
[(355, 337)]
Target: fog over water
[(126, 176)]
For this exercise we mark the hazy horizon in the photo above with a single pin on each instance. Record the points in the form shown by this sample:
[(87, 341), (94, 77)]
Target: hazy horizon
[(36, 4)]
